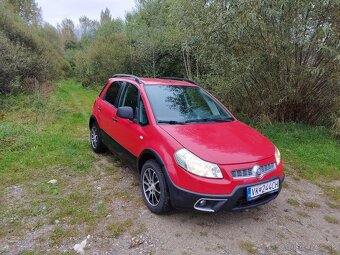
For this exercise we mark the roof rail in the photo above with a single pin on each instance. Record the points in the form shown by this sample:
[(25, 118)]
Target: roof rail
[(178, 79), (128, 76)]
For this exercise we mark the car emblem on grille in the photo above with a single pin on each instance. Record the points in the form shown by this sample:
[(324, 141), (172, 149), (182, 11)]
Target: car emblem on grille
[(257, 171)]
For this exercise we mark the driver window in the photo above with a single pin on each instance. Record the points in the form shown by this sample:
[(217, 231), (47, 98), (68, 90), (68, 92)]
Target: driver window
[(130, 98)]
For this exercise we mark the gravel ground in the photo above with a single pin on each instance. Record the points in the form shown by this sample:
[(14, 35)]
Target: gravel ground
[(288, 225)]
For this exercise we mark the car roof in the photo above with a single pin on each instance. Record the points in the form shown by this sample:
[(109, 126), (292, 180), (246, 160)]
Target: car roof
[(159, 81)]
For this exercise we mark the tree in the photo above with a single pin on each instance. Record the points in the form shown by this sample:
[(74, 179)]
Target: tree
[(27, 9), (105, 16), (68, 35), (88, 28), (26, 55)]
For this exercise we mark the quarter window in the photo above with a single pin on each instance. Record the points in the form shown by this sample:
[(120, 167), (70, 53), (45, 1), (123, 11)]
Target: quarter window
[(143, 118)]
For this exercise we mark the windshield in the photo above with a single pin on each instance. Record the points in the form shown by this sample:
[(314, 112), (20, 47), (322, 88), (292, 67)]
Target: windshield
[(184, 104)]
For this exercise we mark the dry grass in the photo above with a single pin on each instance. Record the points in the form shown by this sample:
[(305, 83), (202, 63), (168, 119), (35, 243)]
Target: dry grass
[(331, 219), (248, 246)]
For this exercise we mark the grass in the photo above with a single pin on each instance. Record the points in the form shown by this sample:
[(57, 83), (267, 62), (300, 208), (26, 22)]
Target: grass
[(303, 214), (331, 219), (293, 202), (333, 206), (44, 136), (138, 230), (117, 228), (312, 151), (274, 247), (51, 126), (311, 204), (329, 249), (248, 246)]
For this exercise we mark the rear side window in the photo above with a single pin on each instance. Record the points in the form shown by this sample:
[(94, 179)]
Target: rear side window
[(112, 93), (130, 97)]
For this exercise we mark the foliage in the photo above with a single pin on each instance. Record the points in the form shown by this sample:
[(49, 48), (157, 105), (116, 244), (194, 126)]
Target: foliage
[(28, 10), (27, 55), (96, 63), (274, 58)]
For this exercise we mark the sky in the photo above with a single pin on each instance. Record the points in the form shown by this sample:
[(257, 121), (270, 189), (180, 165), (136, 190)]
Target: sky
[(54, 11)]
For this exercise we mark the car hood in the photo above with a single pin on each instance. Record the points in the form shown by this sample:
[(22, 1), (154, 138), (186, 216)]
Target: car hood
[(222, 143)]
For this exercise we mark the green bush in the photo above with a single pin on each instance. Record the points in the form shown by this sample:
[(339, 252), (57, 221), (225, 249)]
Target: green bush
[(103, 57), (26, 57)]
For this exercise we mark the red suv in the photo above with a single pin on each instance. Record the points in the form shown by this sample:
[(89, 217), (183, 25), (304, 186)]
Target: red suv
[(190, 151)]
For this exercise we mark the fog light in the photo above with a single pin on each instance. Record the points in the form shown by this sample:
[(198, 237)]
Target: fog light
[(203, 203)]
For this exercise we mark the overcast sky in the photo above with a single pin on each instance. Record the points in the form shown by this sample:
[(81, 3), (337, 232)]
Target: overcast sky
[(54, 11)]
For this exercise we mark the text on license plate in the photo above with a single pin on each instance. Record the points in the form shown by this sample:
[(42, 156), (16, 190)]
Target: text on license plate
[(263, 188)]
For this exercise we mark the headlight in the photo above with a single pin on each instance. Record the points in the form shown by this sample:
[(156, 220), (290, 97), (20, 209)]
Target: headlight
[(277, 156), (195, 165)]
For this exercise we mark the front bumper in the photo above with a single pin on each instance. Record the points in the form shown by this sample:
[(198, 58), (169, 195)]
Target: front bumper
[(237, 200)]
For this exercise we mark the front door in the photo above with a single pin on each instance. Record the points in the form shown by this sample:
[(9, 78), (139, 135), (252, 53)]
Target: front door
[(131, 133)]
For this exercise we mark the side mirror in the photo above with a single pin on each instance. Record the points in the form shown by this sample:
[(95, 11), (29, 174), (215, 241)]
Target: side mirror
[(125, 112)]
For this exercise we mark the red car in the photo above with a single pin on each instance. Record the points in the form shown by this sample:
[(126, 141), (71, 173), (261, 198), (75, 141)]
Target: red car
[(190, 151)]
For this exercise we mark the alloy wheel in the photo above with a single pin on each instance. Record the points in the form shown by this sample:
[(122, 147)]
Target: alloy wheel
[(151, 188), (94, 137)]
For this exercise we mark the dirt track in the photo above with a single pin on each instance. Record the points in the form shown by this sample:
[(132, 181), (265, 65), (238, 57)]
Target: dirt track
[(275, 228)]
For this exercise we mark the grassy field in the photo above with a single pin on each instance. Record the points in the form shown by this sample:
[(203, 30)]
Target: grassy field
[(44, 136), (312, 152), (45, 131)]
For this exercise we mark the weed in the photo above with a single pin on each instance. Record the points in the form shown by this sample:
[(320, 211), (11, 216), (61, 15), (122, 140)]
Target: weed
[(333, 205), (331, 219), (59, 234), (116, 229), (293, 202), (311, 204), (139, 230), (303, 214), (274, 247), (248, 246), (204, 233), (329, 249), (220, 247)]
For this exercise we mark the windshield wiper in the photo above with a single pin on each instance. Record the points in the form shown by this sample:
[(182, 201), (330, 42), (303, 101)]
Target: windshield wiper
[(217, 119), (172, 122)]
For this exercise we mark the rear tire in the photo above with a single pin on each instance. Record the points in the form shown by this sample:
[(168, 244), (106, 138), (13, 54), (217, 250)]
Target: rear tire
[(154, 188), (95, 139)]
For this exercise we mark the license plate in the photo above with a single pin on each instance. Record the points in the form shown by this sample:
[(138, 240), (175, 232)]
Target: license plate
[(257, 190)]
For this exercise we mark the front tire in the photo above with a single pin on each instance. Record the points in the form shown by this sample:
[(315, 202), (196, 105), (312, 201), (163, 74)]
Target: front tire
[(154, 188), (95, 139)]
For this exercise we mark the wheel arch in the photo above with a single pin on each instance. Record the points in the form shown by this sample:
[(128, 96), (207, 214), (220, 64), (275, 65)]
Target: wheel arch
[(92, 120), (146, 155)]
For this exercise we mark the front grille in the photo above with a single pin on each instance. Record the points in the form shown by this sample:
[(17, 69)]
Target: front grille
[(248, 172)]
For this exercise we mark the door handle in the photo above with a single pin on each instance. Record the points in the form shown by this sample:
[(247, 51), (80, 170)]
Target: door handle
[(114, 119), (99, 108)]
